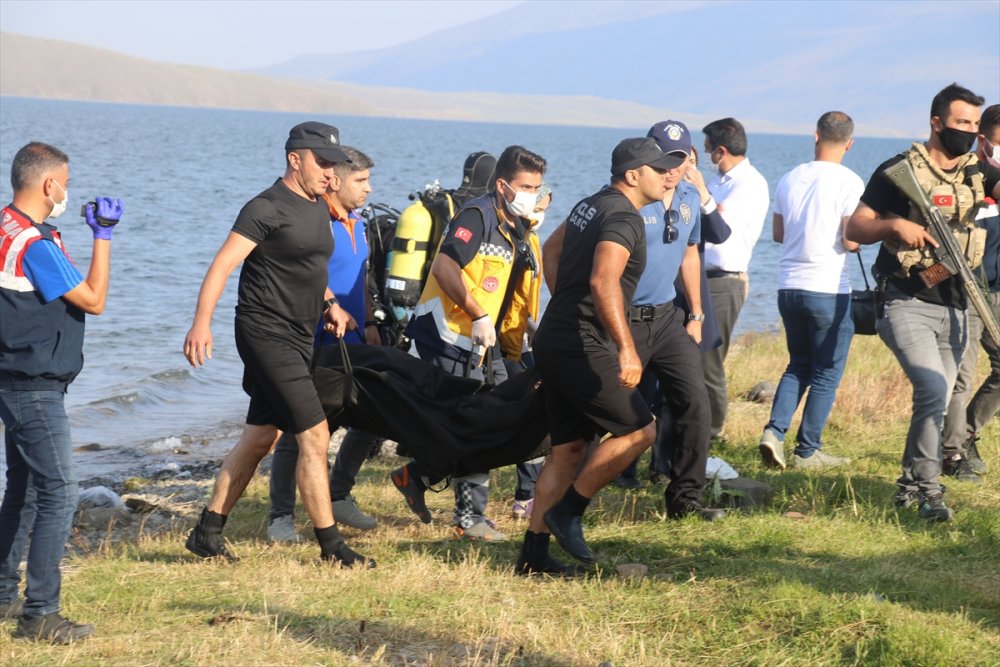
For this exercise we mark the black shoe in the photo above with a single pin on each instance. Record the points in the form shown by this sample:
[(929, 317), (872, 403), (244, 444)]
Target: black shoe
[(568, 531), (960, 469), (52, 628), (10, 611), (623, 482), (347, 557), (206, 540), (535, 559), (413, 490), (906, 499), (550, 567), (681, 510), (932, 507), (973, 457)]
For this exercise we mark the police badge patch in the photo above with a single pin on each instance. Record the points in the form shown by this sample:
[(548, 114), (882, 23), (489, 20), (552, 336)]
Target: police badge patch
[(685, 211)]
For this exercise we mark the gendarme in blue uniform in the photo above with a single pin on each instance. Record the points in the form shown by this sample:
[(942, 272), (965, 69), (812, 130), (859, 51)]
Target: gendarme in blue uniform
[(41, 334), (663, 260)]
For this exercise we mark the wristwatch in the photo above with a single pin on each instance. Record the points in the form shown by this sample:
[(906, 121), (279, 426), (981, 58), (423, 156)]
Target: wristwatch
[(696, 318), (329, 302)]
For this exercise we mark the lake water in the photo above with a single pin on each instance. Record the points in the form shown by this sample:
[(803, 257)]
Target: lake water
[(184, 174)]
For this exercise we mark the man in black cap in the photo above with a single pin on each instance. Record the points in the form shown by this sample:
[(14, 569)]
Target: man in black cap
[(585, 352), (282, 237)]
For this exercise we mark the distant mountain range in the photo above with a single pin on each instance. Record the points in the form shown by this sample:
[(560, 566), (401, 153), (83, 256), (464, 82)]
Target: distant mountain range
[(783, 62), (775, 66)]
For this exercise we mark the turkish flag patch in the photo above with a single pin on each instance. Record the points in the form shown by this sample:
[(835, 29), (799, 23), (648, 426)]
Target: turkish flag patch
[(463, 234), (943, 200)]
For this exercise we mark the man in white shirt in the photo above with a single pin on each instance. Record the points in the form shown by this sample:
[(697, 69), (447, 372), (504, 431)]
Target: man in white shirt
[(811, 207), (742, 196)]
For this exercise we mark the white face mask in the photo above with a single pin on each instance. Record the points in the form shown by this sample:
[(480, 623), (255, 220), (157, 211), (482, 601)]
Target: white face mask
[(523, 205), (536, 219), (993, 157), (60, 207)]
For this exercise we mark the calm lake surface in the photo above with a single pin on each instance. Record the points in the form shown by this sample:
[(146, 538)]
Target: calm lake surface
[(184, 174)]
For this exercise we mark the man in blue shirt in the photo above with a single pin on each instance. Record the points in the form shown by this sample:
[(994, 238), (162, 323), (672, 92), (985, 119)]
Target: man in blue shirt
[(665, 342), (43, 301)]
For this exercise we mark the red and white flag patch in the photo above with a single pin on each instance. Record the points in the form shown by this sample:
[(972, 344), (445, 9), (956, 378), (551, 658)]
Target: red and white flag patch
[(943, 200), (463, 234)]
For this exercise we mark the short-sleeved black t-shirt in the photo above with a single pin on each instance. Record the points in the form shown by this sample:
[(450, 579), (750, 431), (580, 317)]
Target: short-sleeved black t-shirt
[(604, 216), (886, 199), (463, 236), (284, 278)]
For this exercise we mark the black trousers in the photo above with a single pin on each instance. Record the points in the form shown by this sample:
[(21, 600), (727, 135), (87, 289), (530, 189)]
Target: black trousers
[(666, 350)]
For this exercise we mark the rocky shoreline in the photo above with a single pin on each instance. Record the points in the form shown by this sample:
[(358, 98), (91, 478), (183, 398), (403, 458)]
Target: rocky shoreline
[(157, 498)]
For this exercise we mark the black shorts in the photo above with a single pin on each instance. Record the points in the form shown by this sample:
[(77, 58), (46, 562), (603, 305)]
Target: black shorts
[(582, 395), (277, 377)]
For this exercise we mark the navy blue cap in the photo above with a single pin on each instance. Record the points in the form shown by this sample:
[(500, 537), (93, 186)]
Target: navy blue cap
[(672, 136)]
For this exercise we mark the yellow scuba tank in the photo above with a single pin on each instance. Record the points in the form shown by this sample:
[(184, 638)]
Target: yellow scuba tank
[(406, 266)]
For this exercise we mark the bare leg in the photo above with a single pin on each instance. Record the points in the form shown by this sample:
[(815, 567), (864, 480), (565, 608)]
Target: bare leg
[(565, 518), (240, 465), (610, 458), (313, 475), (557, 474)]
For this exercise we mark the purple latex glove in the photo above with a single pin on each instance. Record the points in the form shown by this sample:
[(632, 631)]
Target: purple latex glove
[(102, 215)]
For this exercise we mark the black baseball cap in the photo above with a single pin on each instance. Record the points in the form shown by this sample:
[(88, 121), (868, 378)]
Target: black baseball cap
[(320, 138), (639, 152)]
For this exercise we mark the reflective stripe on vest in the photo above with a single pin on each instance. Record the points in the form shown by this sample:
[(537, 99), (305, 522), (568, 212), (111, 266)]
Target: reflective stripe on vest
[(17, 233)]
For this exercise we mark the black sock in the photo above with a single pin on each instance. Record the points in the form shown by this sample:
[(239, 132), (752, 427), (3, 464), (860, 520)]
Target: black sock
[(329, 538), (572, 503), (213, 521)]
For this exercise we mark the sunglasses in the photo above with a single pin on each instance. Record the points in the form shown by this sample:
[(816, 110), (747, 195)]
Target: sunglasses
[(670, 233)]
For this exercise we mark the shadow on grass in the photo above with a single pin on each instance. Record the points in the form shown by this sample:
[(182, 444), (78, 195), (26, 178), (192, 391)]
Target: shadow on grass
[(958, 574), (399, 643)]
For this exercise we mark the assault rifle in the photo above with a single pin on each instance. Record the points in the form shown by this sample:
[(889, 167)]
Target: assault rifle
[(950, 259)]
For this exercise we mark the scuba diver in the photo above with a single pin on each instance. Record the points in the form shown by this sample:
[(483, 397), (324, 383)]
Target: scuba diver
[(417, 234)]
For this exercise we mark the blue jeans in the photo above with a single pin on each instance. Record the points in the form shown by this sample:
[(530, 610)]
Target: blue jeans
[(818, 330), (928, 341), (40, 497)]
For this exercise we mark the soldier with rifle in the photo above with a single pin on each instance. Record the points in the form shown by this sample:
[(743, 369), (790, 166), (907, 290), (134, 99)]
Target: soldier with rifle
[(921, 205)]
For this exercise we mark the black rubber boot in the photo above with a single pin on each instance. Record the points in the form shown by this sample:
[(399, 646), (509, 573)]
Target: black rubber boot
[(535, 558), (565, 520), (206, 540), (332, 548)]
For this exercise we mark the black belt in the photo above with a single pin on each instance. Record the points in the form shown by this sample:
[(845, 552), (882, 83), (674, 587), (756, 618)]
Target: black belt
[(648, 313), (718, 273)]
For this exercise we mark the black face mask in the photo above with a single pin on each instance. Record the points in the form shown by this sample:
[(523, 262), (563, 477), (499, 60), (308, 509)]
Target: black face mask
[(956, 142)]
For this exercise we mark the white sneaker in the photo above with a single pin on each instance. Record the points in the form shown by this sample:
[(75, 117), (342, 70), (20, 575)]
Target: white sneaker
[(772, 451), (282, 529), (819, 461)]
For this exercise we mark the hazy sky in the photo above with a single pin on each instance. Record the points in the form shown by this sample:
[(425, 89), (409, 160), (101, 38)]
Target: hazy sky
[(238, 34)]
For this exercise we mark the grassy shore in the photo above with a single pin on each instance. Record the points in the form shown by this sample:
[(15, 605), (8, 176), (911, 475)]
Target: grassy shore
[(830, 574)]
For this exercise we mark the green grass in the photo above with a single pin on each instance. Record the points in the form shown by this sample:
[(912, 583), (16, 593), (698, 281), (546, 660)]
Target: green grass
[(852, 581)]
